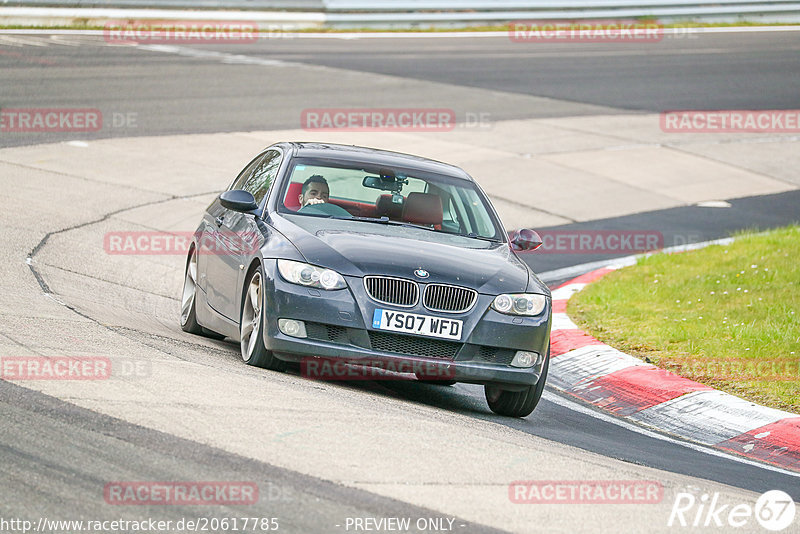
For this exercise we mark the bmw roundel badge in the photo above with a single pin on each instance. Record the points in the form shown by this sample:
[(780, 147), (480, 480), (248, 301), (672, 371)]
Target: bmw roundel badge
[(421, 273)]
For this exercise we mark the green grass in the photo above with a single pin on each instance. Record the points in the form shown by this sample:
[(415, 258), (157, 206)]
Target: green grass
[(726, 315)]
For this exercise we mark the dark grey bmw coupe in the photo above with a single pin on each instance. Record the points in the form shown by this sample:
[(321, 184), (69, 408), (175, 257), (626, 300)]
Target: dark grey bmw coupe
[(348, 257)]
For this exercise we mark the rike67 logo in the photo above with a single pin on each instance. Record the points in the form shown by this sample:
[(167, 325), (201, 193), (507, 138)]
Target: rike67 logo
[(774, 510)]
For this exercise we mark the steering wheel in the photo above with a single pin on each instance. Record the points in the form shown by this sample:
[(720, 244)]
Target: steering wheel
[(325, 209)]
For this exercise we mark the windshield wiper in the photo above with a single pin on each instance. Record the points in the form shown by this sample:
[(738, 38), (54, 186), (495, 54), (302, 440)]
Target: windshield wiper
[(381, 220), (473, 235), (388, 221)]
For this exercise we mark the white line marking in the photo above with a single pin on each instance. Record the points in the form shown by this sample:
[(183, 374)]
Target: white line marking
[(709, 416), (577, 368), (69, 40), (576, 407), (713, 204), (20, 42), (233, 59), (565, 292), (562, 322)]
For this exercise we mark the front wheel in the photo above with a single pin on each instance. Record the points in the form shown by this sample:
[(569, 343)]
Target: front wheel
[(517, 403), (252, 324)]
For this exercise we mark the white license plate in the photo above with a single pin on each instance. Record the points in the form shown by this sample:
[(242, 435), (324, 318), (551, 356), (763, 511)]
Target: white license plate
[(421, 325)]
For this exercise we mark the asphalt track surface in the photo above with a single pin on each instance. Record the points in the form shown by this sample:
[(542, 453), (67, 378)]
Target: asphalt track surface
[(75, 450), (172, 92), (46, 439), (680, 226)]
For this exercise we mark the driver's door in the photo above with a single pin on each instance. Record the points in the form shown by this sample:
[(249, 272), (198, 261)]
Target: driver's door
[(236, 236)]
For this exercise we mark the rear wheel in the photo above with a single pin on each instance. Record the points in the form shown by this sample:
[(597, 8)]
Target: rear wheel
[(251, 325), (517, 403), (188, 315)]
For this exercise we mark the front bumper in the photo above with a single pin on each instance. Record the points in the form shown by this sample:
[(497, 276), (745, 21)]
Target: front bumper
[(339, 327)]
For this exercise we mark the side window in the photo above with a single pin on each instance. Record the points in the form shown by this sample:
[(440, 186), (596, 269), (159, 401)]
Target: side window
[(257, 178), (451, 214), (245, 174), (457, 208)]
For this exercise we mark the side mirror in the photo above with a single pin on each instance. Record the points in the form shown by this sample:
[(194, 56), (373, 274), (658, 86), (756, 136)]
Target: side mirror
[(525, 239), (238, 200)]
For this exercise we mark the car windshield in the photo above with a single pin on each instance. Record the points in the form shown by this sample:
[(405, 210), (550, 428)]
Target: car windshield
[(390, 196)]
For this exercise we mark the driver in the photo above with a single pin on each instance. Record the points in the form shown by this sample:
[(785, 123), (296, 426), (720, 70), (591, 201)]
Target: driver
[(315, 191)]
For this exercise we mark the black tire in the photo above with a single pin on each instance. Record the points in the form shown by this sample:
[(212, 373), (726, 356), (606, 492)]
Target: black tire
[(517, 403), (251, 324), (188, 305), (188, 316)]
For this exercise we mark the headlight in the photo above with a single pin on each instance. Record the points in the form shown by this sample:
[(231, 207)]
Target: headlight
[(309, 275), (520, 303)]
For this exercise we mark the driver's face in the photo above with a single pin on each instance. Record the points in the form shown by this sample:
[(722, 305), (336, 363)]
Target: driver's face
[(316, 190)]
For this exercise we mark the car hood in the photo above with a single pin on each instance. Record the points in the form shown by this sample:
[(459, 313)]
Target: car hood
[(359, 249)]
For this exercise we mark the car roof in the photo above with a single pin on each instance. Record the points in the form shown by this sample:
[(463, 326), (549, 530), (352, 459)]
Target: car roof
[(376, 156)]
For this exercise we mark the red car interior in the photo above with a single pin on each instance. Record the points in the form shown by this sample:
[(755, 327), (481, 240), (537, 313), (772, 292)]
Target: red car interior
[(423, 208), (418, 208), (292, 200)]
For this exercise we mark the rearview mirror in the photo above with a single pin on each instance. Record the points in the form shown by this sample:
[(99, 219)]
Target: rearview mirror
[(238, 200), (525, 239), (384, 183)]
